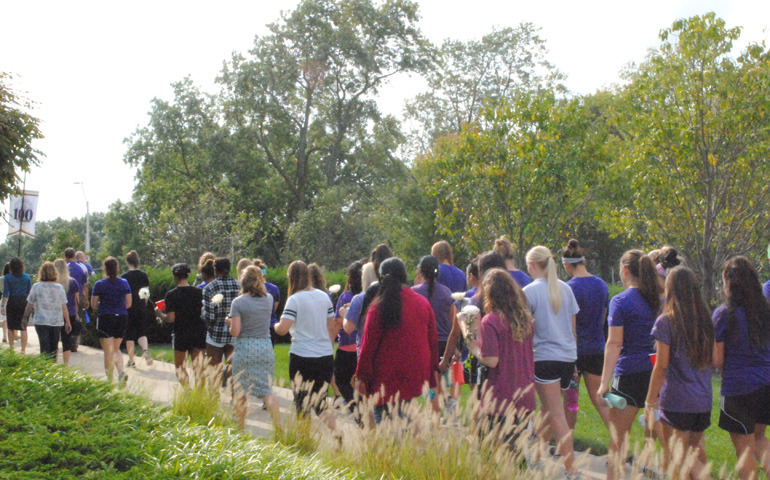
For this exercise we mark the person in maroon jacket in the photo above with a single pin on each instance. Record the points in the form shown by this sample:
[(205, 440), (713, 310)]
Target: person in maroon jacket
[(399, 347)]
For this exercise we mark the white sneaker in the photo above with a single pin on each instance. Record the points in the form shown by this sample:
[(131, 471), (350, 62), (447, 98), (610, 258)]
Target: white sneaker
[(148, 358)]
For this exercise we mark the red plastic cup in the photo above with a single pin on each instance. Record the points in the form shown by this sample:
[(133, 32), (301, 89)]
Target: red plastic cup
[(457, 373), (653, 357), (161, 304)]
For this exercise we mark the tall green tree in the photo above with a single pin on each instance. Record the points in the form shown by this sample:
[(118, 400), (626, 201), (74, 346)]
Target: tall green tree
[(696, 119), (475, 73), (529, 170), (18, 129), (305, 95)]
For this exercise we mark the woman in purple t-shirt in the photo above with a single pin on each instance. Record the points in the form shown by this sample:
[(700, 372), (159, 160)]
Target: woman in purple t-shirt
[(632, 314), (742, 351), (346, 357), (592, 297), (681, 379), (112, 297), (440, 298), (505, 346)]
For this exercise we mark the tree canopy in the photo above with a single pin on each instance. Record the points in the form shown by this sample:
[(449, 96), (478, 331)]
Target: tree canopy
[(696, 122), (18, 130)]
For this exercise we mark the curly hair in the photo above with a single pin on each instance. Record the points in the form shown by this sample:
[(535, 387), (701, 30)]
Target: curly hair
[(504, 296)]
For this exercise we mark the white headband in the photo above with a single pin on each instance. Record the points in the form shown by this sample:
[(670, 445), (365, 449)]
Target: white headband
[(573, 260)]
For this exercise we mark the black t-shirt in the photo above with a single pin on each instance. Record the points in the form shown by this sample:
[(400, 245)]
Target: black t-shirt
[(186, 303), (137, 280)]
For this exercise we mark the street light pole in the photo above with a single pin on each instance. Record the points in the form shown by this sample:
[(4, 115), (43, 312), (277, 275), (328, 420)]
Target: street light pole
[(88, 226)]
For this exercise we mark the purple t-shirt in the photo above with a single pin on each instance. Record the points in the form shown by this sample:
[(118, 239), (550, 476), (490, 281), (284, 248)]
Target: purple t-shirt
[(452, 277), (72, 306), (441, 302), (343, 338), (354, 315), (521, 278), (630, 310), (272, 290), (766, 289), (513, 379), (112, 296), (77, 272), (685, 389), (592, 296), (746, 369)]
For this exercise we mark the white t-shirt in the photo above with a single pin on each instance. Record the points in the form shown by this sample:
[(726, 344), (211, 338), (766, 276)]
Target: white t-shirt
[(48, 298), (309, 311), (553, 340)]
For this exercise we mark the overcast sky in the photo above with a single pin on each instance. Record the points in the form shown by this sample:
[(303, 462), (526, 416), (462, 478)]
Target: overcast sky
[(93, 67)]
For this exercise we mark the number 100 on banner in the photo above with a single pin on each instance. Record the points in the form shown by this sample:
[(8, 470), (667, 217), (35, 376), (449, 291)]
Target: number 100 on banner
[(22, 213)]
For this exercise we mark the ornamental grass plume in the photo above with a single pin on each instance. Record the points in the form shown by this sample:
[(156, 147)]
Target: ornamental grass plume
[(199, 396), (414, 442)]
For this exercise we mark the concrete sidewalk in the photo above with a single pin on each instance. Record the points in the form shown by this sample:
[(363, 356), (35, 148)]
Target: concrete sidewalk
[(159, 383)]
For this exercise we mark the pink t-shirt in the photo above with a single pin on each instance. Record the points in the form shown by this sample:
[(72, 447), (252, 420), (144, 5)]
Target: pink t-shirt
[(513, 379)]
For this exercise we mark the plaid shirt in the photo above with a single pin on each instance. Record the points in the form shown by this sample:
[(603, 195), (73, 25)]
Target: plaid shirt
[(215, 315)]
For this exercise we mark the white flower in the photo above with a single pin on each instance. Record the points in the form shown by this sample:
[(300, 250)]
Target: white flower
[(334, 288), (144, 293), (458, 296), (466, 319), (217, 299)]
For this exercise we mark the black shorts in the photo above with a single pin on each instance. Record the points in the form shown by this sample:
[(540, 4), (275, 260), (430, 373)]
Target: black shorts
[(135, 328), (317, 372), (593, 364), (189, 341), (549, 371), (111, 326), (633, 387), (687, 422), (741, 413)]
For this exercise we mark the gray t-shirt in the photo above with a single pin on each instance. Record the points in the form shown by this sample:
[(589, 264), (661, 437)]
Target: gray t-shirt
[(48, 298), (255, 313), (554, 340)]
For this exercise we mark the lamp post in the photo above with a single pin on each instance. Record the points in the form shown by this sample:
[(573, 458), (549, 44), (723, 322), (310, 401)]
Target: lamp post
[(88, 226)]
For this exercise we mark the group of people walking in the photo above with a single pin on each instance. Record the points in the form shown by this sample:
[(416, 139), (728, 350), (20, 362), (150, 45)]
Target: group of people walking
[(531, 336)]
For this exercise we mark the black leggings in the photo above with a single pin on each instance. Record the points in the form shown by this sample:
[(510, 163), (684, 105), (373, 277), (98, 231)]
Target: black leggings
[(344, 368), (49, 340), (318, 372)]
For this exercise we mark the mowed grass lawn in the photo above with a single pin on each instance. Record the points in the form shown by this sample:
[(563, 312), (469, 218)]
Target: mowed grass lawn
[(590, 432)]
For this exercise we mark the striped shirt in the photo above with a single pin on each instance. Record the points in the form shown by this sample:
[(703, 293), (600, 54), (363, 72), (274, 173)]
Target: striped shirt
[(309, 311)]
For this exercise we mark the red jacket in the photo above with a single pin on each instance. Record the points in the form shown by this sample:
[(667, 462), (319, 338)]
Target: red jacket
[(402, 358)]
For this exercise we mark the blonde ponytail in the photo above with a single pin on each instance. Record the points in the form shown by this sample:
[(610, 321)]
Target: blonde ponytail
[(541, 256)]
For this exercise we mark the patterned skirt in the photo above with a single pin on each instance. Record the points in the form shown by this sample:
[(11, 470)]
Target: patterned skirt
[(253, 365)]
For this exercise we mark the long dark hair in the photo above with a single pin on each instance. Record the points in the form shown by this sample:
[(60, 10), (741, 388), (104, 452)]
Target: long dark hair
[(388, 299), (688, 317), (743, 290), (428, 268), (640, 267), (354, 284), (503, 295), (380, 253)]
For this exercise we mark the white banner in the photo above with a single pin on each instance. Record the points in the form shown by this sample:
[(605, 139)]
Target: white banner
[(22, 214)]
